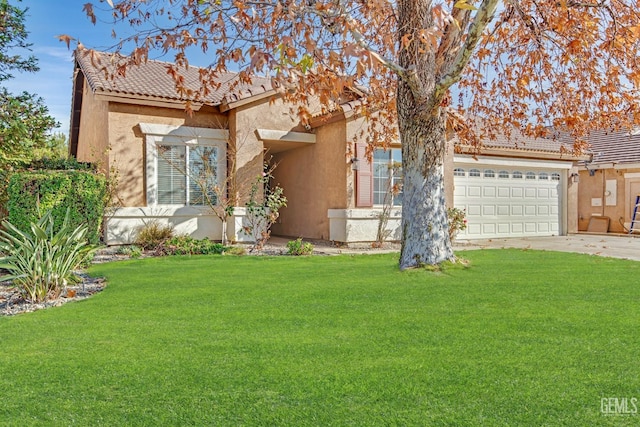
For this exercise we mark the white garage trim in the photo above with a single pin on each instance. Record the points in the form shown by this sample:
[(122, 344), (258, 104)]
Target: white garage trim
[(516, 163)]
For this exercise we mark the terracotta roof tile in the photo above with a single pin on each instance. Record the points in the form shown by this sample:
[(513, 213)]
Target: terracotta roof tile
[(152, 80), (521, 142), (615, 147), (518, 141)]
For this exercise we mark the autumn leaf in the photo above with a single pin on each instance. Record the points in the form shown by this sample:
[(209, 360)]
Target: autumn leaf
[(65, 38), (88, 9), (406, 41), (462, 4)]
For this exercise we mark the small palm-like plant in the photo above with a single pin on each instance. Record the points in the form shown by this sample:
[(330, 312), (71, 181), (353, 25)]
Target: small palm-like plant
[(41, 262)]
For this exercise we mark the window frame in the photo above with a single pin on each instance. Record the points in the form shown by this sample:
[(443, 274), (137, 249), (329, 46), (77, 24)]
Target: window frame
[(190, 137), (397, 177), (459, 172)]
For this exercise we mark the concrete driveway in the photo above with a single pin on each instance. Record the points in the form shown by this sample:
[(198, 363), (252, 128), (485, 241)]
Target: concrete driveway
[(615, 246)]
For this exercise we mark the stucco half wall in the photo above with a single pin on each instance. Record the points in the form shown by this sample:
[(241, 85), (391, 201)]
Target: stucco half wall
[(123, 225), (361, 225)]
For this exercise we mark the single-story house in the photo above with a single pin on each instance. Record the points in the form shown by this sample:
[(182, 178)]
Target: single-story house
[(609, 183), (130, 124)]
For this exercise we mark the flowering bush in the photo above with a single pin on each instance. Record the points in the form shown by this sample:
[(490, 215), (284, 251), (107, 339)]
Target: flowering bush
[(457, 221)]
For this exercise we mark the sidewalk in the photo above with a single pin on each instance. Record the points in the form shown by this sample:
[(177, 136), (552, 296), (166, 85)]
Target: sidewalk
[(615, 246), (610, 245)]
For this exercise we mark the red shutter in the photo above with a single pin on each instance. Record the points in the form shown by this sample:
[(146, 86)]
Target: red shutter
[(364, 178)]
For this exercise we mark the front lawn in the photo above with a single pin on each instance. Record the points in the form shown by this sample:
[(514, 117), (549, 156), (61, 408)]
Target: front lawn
[(520, 338)]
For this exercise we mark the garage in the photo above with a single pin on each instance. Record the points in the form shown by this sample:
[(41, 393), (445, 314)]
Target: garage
[(510, 198)]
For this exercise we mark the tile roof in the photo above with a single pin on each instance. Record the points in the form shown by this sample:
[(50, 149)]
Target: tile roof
[(518, 141), (615, 147), (522, 143), (151, 80)]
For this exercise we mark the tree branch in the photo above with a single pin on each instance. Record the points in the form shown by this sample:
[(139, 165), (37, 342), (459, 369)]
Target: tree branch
[(452, 35), (481, 20), (340, 11)]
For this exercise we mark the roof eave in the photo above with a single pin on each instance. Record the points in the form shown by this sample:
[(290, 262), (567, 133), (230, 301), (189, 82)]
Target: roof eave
[(343, 113), (614, 165), (146, 100), (225, 105), (517, 152)]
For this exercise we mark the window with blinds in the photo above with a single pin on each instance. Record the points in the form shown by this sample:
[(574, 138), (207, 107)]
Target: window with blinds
[(179, 185)]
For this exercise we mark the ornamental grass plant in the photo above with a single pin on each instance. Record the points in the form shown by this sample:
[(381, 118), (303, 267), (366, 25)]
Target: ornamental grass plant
[(41, 261)]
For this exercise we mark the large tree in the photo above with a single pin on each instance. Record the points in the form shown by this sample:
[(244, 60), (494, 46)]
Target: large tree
[(517, 64), (25, 124), (24, 118)]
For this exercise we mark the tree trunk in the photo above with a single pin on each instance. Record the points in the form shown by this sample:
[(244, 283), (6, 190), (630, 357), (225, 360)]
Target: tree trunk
[(224, 239), (425, 227)]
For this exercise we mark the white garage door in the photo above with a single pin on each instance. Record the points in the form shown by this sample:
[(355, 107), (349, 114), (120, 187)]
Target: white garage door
[(508, 202)]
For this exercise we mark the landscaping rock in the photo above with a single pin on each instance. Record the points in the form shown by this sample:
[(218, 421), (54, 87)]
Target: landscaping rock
[(12, 302)]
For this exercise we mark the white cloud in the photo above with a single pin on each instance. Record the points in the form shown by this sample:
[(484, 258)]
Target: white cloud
[(58, 52)]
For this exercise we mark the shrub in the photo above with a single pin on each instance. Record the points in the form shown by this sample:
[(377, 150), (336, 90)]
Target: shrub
[(262, 214), (10, 168), (185, 245), (41, 262), (457, 221), (80, 195), (153, 234), (298, 247), (57, 164), (132, 251), (236, 250)]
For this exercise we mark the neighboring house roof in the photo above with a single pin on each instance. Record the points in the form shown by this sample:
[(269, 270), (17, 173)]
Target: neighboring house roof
[(615, 147), (151, 80)]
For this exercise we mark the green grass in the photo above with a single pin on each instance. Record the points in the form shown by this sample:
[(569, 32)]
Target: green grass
[(520, 338)]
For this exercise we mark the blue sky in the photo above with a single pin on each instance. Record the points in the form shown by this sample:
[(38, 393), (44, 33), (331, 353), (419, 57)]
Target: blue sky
[(46, 19)]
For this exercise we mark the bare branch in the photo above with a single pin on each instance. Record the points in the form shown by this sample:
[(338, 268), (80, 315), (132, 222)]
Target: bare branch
[(483, 17)]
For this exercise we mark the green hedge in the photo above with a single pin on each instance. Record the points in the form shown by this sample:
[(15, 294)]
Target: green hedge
[(7, 169), (83, 193)]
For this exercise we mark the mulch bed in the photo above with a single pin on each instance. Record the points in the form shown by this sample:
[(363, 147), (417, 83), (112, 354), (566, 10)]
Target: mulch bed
[(12, 302)]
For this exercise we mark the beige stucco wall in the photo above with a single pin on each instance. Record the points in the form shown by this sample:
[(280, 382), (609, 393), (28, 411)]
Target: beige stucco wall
[(127, 143), (594, 187), (572, 207), (249, 149), (94, 130), (314, 179)]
